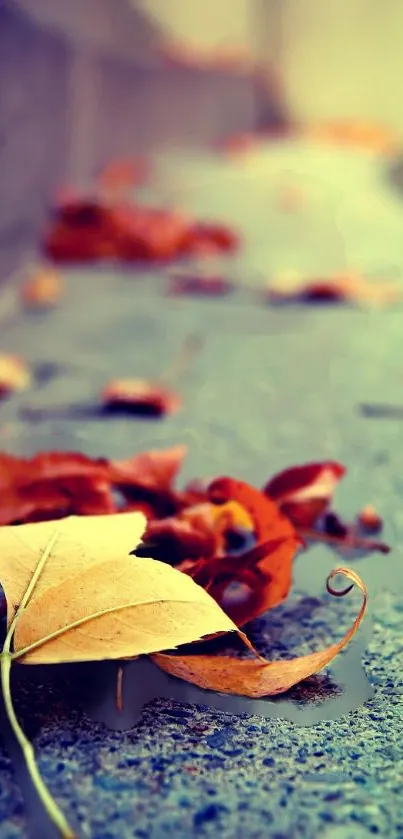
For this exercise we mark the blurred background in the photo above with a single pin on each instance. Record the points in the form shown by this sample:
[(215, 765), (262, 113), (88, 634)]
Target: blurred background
[(88, 81)]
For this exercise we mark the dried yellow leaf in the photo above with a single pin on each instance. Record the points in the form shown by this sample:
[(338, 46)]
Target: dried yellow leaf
[(92, 600)]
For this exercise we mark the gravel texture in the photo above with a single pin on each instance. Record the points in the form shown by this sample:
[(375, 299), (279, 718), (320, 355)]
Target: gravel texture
[(271, 387)]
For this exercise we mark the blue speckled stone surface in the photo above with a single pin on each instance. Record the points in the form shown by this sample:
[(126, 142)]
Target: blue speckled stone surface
[(270, 388)]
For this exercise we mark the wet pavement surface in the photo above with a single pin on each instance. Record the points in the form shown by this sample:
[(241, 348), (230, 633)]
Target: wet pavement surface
[(271, 387)]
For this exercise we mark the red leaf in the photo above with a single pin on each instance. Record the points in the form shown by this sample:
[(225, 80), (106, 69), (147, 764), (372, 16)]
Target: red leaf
[(196, 491), (144, 233), (155, 470), (53, 485), (304, 492), (85, 229), (82, 230), (140, 396), (203, 234)]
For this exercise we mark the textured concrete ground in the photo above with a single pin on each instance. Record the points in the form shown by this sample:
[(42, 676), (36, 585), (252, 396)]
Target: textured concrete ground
[(270, 388)]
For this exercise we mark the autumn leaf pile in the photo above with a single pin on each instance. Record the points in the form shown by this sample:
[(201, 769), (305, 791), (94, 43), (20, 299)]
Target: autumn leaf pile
[(222, 533), (87, 552), (91, 229)]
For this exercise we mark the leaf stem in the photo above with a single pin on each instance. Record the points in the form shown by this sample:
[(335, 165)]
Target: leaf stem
[(6, 659), (352, 542), (27, 596), (79, 622), (55, 814)]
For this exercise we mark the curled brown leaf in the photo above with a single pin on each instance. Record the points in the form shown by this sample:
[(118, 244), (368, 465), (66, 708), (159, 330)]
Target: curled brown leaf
[(254, 678)]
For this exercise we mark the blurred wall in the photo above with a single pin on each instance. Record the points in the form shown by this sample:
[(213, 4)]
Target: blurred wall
[(76, 91), (335, 59), (343, 59), (34, 69), (205, 23)]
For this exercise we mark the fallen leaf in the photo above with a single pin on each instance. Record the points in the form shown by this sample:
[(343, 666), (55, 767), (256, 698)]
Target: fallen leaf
[(81, 230), (14, 375), (197, 283), (149, 234), (92, 598), (304, 492), (266, 569), (155, 470), (268, 522), (254, 678), (198, 531), (196, 490), (369, 519), (74, 594), (175, 541), (334, 526), (43, 290), (213, 236), (343, 288), (139, 396), (88, 229), (52, 485)]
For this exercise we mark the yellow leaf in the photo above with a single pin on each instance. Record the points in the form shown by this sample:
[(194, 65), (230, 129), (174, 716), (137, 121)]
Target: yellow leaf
[(90, 599)]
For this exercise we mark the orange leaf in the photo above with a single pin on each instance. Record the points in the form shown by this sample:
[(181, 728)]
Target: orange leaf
[(254, 678), (266, 569), (369, 519), (268, 521), (139, 396)]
